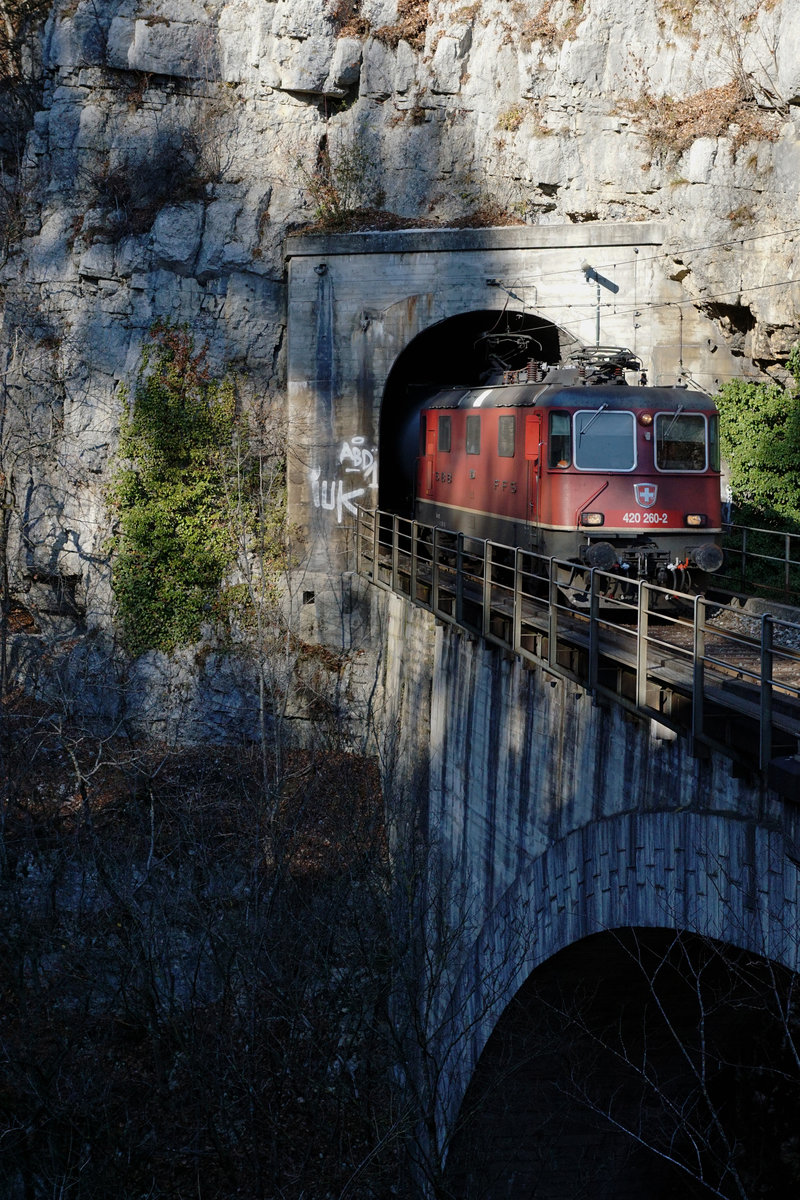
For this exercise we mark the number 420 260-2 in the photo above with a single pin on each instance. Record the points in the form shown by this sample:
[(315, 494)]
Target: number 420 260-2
[(646, 518)]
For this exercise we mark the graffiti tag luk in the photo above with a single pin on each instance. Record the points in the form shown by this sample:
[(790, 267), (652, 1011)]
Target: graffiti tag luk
[(355, 460), (330, 495)]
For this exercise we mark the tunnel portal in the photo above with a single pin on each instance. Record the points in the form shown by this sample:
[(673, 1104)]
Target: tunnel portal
[(377, 320), (461, 350)]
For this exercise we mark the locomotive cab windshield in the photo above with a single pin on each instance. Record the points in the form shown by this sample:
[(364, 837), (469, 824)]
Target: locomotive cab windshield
[(605, 441), (683, 442)]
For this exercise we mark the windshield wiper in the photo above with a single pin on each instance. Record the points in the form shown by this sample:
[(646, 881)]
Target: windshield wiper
[(591, 421), (672, 422)]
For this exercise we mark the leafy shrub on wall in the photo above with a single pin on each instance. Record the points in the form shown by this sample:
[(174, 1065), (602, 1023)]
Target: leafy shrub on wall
[(760, 439), (180, 479)]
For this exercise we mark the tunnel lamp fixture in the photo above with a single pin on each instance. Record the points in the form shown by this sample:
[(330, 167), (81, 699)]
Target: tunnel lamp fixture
[(592, 518), (696, 520)]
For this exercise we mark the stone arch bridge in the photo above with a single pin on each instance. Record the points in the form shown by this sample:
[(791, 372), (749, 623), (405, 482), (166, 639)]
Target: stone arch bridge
[(549, 819), (553, 821)]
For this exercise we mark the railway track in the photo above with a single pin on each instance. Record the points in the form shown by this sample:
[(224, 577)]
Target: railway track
[(708, 668)]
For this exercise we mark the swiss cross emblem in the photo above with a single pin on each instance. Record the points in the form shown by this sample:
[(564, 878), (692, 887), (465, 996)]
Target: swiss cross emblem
[(645, 494)]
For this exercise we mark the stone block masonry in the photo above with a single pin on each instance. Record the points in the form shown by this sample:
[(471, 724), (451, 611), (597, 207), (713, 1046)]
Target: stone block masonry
[(550, 818)]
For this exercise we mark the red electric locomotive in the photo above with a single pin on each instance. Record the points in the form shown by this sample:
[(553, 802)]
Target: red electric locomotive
[(572, 463)]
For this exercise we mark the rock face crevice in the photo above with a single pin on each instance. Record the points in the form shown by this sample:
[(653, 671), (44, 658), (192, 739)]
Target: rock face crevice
[(174, 144)]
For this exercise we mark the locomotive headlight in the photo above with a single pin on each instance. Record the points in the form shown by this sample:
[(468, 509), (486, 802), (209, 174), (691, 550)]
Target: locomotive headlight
[(588, 518), (696, 520), (645, 418)]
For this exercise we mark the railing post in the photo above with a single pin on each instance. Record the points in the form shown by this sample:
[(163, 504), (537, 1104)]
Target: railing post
[(486, 615), (698, 669), (787, 555), (642, 636), (743, 577), (552, 615), (516, 631), (395, 552), (435, 574), (412, 583), (460, 579), (594, 632), (359, 522), (376, 544), (765, 726)]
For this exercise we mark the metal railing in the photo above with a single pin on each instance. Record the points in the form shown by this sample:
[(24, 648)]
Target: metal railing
[(726, 678), (764, 559)]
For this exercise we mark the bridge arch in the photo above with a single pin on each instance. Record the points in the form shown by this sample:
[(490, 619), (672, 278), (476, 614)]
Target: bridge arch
[(548, 816), (639, 1064), (715, 876)]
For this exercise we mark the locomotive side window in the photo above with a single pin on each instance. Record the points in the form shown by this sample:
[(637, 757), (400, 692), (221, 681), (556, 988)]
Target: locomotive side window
[(605, 441), (473, 435), (560, 452), (444, 435), (713, 443), (680, 442), (505, 437)]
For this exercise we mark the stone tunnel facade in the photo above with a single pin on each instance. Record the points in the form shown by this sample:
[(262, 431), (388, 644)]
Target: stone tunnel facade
[(365, 312), (551, 818)]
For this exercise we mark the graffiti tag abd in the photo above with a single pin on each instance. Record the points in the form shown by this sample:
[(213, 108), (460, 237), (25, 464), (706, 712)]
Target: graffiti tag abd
[(360, 460), (354, 460)]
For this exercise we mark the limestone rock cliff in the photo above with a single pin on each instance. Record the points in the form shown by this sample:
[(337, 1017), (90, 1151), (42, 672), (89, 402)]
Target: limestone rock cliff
[(169, 146)]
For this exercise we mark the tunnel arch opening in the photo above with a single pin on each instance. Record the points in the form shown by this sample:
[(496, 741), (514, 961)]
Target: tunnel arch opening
[(637, 1064), (460, 350)]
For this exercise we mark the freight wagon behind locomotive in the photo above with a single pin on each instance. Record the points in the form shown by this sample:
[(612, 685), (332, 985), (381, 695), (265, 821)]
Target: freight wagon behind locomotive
[(573, 463)]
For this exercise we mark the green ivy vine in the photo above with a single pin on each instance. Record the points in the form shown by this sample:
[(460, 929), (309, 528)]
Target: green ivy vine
[(182, 450)]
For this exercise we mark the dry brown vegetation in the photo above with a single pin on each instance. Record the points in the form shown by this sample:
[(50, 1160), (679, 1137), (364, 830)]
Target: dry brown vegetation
[(358, 219), (347, 18), (673, 125), (191, 988), (129, 193), (410, 26), (487, 212), (546, 28), (467, 12), (511, 118)]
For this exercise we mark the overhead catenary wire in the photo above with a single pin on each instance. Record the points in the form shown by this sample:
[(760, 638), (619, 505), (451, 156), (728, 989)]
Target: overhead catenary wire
[(592, 309), (674, 253), (698, 300), (677, 251)]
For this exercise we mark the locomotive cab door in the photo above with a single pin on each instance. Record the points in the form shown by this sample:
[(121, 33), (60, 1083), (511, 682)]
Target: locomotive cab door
[(533, 450), (430, 452)]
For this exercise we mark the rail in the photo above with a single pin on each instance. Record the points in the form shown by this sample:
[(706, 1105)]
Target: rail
[(725, 678)]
